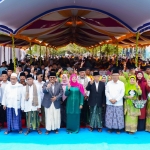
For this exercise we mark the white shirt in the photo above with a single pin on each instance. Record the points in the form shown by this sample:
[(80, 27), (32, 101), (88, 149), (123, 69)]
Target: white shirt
[(28, 104), (13, 96), (2, 88), (115, 91), (82, 82), (35, 78), (39, 85), (53, 88), (96, 84)]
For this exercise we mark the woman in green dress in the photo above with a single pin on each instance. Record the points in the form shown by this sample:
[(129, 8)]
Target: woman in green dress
[(148, 107), (132, 92), (75, 93)]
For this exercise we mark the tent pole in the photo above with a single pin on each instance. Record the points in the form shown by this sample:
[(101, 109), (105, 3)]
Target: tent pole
[(14, 53), (100, 52), (4, 53), (40, 55), (49, 51), (136, 54), (30, 53), (46, 52), (107, 51), (117, 55), (93, 52)]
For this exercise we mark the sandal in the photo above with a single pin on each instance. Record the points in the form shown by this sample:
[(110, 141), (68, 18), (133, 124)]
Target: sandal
[(56, 131), (27, 132), (131, 133), (109, 131), (20, 132), (47, 132), (99, 130), (118, 132), (91, 129), (39, 131), (6, 132)]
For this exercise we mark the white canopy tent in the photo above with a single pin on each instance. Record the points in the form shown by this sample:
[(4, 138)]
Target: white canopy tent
[(88, 23)]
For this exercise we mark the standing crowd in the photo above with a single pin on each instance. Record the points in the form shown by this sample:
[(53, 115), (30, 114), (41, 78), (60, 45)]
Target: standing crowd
[(75, 91)]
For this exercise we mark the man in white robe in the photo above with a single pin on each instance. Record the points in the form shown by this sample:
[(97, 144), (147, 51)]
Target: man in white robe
[(114, 91), (32, 105), (3, 84), (39, 83), (12, 101)]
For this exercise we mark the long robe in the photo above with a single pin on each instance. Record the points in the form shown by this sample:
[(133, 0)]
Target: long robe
[(148, 111), (2, 111), (52, 118), (40, 89), (74, 100), (32, 114), (142, 118), (131, 113), (13, 99)]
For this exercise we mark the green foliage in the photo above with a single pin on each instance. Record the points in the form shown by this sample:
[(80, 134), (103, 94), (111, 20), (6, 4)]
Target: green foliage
[(36, 50), (75, 49), (109, 49)]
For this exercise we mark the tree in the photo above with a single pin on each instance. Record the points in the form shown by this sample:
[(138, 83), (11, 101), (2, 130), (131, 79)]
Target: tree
[(106, 50), (109, 49), (73, 48)]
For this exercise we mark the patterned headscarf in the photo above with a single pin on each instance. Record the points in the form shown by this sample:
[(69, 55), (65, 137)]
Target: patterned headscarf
[(64, 84)]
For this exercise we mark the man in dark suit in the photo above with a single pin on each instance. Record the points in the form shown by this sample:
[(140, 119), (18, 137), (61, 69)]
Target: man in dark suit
[(96, 101), (52, 97)]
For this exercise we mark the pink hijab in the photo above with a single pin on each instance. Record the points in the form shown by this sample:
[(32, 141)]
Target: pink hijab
[(76, 84)]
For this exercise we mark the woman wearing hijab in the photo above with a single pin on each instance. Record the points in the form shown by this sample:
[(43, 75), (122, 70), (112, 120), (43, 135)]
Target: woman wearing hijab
[(104, 79), (75, 93), (109, 78), (64, 83), (142, 83), (148, 107), (132, 92)]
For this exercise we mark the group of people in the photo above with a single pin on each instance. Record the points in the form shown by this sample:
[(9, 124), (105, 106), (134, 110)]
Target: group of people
[(72, 92)]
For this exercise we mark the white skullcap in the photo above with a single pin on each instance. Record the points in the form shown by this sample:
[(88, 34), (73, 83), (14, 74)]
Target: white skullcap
[(14, 75)]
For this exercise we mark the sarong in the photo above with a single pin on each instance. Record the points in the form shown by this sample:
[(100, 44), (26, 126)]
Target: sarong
[(13, 121), (114, 118), (52, 118), (32, 120), (95, 117)]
